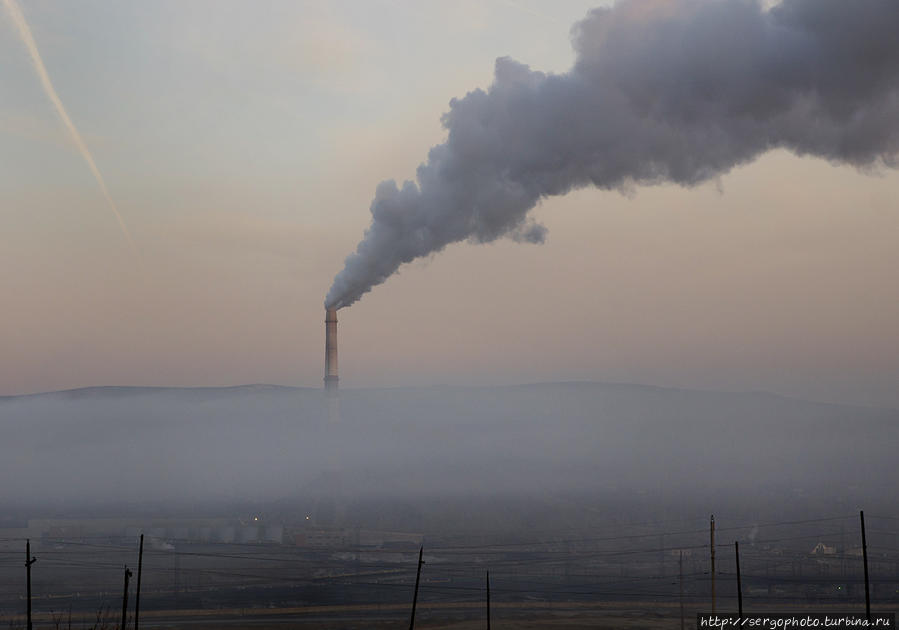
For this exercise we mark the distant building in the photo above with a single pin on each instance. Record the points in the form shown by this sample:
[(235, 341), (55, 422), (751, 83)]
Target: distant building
[(200, 530), (823, 550)]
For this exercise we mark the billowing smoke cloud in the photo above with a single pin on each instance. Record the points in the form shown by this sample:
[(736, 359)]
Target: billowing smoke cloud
[(661, 91), (18, 18)]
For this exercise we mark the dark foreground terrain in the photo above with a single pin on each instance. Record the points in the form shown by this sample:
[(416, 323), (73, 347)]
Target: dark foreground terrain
[(589, 504)]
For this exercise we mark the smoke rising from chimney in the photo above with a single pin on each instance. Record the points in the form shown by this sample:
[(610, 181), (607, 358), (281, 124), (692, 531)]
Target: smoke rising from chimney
[(661, 91)]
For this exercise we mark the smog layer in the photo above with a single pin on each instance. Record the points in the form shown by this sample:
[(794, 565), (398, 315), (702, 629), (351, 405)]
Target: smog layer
[(264, 443)]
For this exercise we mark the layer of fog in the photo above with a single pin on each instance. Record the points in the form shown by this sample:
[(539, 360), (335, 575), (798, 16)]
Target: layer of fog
[(262, 443)]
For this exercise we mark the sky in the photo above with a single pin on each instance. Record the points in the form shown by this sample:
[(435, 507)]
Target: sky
[(242, 143)]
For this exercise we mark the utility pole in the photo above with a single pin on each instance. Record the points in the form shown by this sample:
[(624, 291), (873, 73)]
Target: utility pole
[(28, 562), (861, 515), (125, 599), (488, 600), (417, 579), (842, 550), (680, 571), (140, 564), (176, 585), (739, 584), (712, 551)]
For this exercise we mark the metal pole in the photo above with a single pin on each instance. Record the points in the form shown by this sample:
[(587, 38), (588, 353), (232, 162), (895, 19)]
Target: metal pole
[(865, 559), (680, 571), (488, 600), (176, 585), (28, 562), (140, 564), (125, 599), (739, 584), (417, 579), (712, 551)]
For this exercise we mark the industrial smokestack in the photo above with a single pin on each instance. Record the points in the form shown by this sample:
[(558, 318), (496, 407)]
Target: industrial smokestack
[(677, 91), (331, 349)]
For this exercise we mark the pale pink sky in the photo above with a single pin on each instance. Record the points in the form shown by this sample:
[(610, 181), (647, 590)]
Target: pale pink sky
[(245, 171)]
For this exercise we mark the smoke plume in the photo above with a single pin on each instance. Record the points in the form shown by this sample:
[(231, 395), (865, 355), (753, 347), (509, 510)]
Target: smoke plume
[(661, 91), (18, 18)]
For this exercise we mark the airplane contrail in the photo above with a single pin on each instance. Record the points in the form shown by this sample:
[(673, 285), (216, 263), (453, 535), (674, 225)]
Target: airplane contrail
[(18, 19)]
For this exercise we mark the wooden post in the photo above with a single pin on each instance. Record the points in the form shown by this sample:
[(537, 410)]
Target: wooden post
[(712, 552), (680, 571), (861, 515), (125, 599), (176, 584), (140, 564), (739, 584), (488, 600), (28, 562), (842, 550), (417, 580)]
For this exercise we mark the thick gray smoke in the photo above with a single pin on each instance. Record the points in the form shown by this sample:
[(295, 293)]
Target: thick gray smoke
[(661, 91)]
